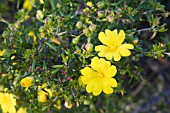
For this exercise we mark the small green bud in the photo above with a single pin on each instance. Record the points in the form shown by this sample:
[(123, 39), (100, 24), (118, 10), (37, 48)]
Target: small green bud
[(79, 25), (75, 40), (89, 47), (100, 14), (39, 14), (59, 5), (5, 34), (100, 5), (110, 18), (86, 32), (92, 27), (41, 29), (48, 21)]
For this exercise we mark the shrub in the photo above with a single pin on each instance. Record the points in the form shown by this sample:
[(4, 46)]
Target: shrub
[(55, 53)]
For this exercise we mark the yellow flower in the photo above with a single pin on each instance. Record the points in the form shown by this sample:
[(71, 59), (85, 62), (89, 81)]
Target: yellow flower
[(31, 33), (39, 14), (99, 77), (42, 95), (90, 4), (113, 47), (26, 82), (28, 4), (42, 1), (68, 104), (7, 103), (58, 104), (22, 110), (2, 52)]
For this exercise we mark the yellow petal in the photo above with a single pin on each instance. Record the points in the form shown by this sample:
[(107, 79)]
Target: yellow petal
[(102, 54), (12, 110), (104, 51), (110, 72), (88, 75), (49, 92), (42, 1), (117, 56), (126, 46), (42, 96), (121, 37), (98, 87), (110, 37), (125, 52), (109, 82), (94, 63), (102, 37), (109, 56), (107, 89), (90, 86), (107, 65), (115, 37), (22, 110), (80, 81), (101, 65), (2, 52), (100, 48)]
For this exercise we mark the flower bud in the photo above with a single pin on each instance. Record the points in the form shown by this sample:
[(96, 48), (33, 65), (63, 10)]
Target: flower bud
[(75, 40), (100, 14), (86, 32), (41, 29), (48, 21), (42, 1), (5, 34), (92, 27), (100, 5), (39, 14), (135, 41), (42, 35), (110, 18), (79, 25), (59, 5), (89, 47)]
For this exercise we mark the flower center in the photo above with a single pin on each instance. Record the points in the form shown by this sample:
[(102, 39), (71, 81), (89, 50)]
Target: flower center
[(100, 74), (113, 48)]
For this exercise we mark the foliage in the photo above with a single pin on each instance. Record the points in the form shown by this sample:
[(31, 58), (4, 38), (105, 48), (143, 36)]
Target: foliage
[(46, 44)]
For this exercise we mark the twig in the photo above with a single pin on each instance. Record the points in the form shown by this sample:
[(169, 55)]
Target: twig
[(147, 29)]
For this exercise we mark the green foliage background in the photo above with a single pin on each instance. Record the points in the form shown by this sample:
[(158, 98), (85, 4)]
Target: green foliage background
[(143, 77)]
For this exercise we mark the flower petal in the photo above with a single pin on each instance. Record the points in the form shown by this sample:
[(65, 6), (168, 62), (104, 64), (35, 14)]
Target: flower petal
[(102, 37), (104, 51), (117, 56), (107, 65), (125, 52), (110, 82), (109, 56), (98, 86), (100, 48), (115, 37), (90, 86), (107, 89), (110, 72), (121, 37), (94, 63), (88, 75), (110, 37), (126, 46), (101, 65)]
